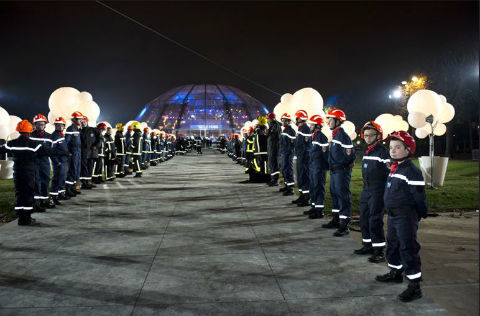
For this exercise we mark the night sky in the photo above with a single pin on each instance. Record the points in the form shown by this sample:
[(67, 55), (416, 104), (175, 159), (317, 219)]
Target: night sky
[(354, 52)]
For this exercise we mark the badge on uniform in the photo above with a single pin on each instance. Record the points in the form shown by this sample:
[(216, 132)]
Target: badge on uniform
[(91, 135), (365, 165), (389, 184)]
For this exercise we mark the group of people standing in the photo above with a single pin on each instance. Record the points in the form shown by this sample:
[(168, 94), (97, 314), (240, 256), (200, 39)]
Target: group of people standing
[(391, 183), (80, 157)]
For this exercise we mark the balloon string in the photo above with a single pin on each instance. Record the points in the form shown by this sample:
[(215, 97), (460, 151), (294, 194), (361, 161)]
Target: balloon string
[(189, 49)]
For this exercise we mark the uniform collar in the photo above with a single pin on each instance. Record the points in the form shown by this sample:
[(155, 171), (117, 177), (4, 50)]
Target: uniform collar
[(371, 147), (336, 130)]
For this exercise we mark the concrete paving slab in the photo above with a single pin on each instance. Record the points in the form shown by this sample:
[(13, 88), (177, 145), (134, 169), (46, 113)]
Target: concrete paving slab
[(120, 310), (211, 278)]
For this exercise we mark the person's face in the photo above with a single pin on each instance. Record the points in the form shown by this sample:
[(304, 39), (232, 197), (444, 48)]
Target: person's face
[(398, 150), (59, 127), (76, 122), (331, 123), (285, 122), (40, 126), (84, 123), (109, 131), (370, 136)]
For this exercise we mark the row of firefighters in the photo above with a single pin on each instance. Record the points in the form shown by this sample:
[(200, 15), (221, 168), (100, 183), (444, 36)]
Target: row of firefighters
[(80, 157), (391, 183)]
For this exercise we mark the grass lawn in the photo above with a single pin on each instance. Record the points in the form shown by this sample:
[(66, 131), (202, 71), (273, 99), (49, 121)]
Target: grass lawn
[(460, 190)]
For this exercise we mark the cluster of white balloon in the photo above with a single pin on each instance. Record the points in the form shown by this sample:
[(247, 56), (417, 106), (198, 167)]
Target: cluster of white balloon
[(66, 100), (8, 125), (391, 123), (424, 103), (309, 100)]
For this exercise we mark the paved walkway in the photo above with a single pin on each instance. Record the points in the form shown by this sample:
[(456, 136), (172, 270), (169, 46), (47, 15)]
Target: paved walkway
[(188, 238)]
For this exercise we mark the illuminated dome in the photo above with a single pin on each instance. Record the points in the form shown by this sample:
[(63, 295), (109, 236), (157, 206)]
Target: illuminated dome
[(202, 109)]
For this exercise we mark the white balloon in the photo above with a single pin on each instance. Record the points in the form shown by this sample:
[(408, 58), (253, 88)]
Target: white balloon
[(49, 128), (279, 110), (85, 96), (4, 131), (440, 129), (309, 100), (426, 102), (64, 101), (286, 98), (447, 113), (442, 98), (327, 131), (417, 119), (89, 109), (352, 135), (348, 127), (4, 117), (13, 123), (13, 135), (421, 133), (51, 117), (403, 126)]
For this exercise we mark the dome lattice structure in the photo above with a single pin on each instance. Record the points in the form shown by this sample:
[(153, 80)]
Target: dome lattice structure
[(202, 109)]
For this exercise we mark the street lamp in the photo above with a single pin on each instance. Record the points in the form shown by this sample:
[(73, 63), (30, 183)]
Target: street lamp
[(414, 78)]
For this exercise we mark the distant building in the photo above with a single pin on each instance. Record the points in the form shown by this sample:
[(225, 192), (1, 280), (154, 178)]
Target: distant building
[(202, 109)]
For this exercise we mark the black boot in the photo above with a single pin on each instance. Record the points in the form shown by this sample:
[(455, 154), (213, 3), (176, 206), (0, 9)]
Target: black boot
[(318, 213), (395, 276), (343, 229), (86, 185), (55, 199), (333, 223), (367, 249), (38, 207), (64, 196), (310, 211), (70, 192), (377, 256), (300, 198), (25, 220), (305, 201), (49, 203), (283, 189), (138, 175), (412, 292), (288, 191)]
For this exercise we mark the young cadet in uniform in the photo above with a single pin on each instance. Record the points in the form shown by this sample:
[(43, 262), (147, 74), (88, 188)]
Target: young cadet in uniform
[(302, 148), (274, 131), (375, 164), (59, 162), (144, 163), (98, 164), (24, 151), (341, 157), (406, 204), (318, 168), (110, 155), (128, 146), (90, 143), (287, 141), (42, 175), (74, 143), (120, 151), (137, 149)]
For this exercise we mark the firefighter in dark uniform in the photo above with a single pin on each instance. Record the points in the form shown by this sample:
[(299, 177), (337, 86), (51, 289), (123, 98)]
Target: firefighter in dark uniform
[(128, 146), (375, 168), (406, 204), (259, 172), (153, 148), (341, 158), (42, 175), (318, 168), (24, 151), (287, 148), (302, 148), (90, 143), (250, 148), (59, 162), (237, 148), (74, 143), (137, 149), (120, 151), (3, 150), (110, 155), (99, 162), (145, 160), (274, 131), (198, 144)]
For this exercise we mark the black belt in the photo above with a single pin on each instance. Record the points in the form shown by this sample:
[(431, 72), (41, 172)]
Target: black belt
[(400, 211), (339, 168)]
